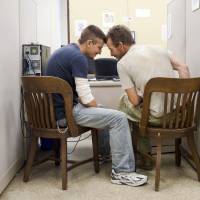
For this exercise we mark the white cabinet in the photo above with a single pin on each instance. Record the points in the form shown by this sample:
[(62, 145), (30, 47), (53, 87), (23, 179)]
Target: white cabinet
[(106, 93)]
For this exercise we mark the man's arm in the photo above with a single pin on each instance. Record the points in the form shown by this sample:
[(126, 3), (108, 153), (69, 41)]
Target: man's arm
[(128, 85), (133, 97), (92, 103), (84, 92), (182, 68)]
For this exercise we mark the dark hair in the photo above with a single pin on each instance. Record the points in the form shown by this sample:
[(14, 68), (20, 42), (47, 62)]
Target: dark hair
[(91, 32), (120, 33)]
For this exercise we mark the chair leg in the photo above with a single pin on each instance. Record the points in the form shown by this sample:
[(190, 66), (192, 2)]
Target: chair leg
[(31, 156), (158, 161), (63, 155), (177, 152), (134, 140), (95, 149), (195, 155), (56, 148)]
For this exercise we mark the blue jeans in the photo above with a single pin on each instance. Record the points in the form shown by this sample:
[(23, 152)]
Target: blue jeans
[(120, 137), (104, 143)]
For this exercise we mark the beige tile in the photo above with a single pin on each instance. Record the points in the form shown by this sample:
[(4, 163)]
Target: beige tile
[(83, 184)]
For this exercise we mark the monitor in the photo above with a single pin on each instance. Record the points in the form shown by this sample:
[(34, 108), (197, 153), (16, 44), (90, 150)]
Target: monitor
[(106, 69), (91, 65)]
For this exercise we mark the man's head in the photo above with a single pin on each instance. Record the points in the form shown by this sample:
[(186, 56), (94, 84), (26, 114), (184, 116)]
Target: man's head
[(119, 40), (92, 40)]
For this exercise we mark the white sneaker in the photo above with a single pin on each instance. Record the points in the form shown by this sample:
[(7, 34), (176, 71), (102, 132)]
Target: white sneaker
[(128, 178)]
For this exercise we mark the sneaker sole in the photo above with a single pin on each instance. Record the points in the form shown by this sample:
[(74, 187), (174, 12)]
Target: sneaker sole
[(118, 182)]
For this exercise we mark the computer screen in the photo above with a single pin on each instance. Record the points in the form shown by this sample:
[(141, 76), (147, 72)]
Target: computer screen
[(91, 65), (106, 69)]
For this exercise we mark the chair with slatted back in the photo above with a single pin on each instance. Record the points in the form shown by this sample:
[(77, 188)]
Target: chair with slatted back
[(38, 97), (180, 119)]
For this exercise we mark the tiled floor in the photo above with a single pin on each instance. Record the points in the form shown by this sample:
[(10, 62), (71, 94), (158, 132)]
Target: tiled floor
[(45, 183)]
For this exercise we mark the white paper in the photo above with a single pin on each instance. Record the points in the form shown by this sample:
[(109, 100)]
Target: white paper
[(195, 4), (143, 13), (79, 26), (107, 19)]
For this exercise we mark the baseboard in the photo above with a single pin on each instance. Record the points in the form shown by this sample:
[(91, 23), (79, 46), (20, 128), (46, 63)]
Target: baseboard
[(10, 173)]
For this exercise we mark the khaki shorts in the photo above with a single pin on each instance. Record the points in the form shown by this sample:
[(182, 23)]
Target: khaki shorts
[(135, 113)]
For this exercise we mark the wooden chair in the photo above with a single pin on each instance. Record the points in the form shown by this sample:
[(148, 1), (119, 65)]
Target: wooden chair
[(41, 121), (180, 119)]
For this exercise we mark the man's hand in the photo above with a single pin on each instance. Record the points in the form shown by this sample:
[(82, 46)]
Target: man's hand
[(92, 103), (133, 97)]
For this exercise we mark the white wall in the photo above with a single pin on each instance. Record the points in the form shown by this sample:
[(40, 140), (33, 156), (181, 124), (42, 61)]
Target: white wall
[(28, 21), (185, 37), (11, 140), (63, 17), (192, 40), (50, 16), (177, 40), (21, 21), (41, 20), (193, 47), (185, 33)]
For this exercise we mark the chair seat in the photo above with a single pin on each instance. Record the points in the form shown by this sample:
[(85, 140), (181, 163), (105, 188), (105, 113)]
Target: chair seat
[(171, 133)]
